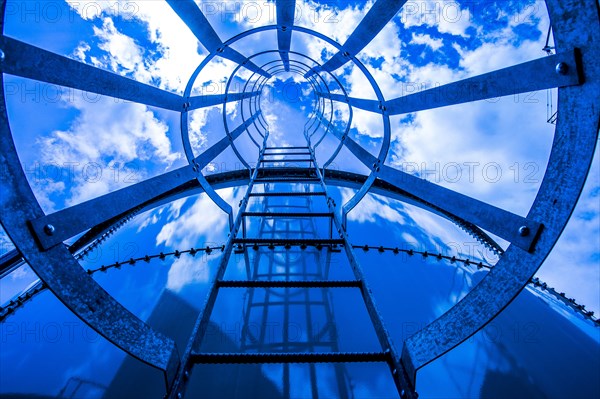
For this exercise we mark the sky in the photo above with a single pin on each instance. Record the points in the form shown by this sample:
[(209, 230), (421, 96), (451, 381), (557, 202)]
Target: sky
[(495, 150)]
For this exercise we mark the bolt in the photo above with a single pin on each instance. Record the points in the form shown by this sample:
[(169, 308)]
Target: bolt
[(562, 68), (179, 396), (2, 55), (49, 229), (186, 374), (523, 231)]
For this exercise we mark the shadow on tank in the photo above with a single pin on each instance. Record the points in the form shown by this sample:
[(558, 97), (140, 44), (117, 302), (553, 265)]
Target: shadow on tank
[(175, 318)]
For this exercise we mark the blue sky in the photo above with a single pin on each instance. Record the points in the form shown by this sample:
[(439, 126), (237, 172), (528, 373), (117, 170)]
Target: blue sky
[(80, 146)]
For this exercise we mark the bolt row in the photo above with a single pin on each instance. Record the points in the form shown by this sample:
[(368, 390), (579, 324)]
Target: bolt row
[(162, 256), (107, 234), (18, 302), (14, 304), (542, 286), (496, 249), (425, 254)]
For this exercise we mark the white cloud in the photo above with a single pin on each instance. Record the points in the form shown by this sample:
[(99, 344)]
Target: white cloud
[(370, 207), (105, 134), (434, 44), (125, 53), (187, 270), (179, 48), (203, 219)]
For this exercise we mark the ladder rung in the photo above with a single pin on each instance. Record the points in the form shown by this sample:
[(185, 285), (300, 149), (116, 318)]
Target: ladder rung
[(287, 345), (289, 284), (286, 160), (286, 148), (288, 153), (321, 357), (279, 206), (284, 303), (287, 214), (286, 179), (290, 241), (288, 194)]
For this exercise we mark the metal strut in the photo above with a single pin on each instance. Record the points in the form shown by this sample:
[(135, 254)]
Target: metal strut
[(276, 228)]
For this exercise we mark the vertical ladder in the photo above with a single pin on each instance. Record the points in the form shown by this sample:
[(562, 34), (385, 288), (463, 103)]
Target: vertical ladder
[(242, 243), (298, 268)]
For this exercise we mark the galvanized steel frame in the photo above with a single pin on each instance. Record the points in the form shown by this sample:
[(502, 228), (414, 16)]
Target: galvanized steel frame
[(575, 69)]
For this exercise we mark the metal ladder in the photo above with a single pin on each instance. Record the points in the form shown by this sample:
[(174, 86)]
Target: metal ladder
[(240, 243)]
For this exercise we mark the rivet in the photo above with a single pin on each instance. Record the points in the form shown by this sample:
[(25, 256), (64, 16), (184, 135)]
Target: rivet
[(49, 229), (523, 231), (179, 396), (2, 55), (562, 68)]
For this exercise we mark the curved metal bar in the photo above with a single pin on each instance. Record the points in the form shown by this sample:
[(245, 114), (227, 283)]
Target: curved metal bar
[(216, 198), (233, 73), (209, 156), (263, 82), (322, 113), (189, 153), (576, 136), (575, 25), (272, 72), (262, 120), (250, 108), (301, 73), (333, 177), (185, 134), (331, 126), (317, 103), (294, 61), (226, 125), (386, 120), (376, 19), (63, 275), (318, 35), (189, 12)]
